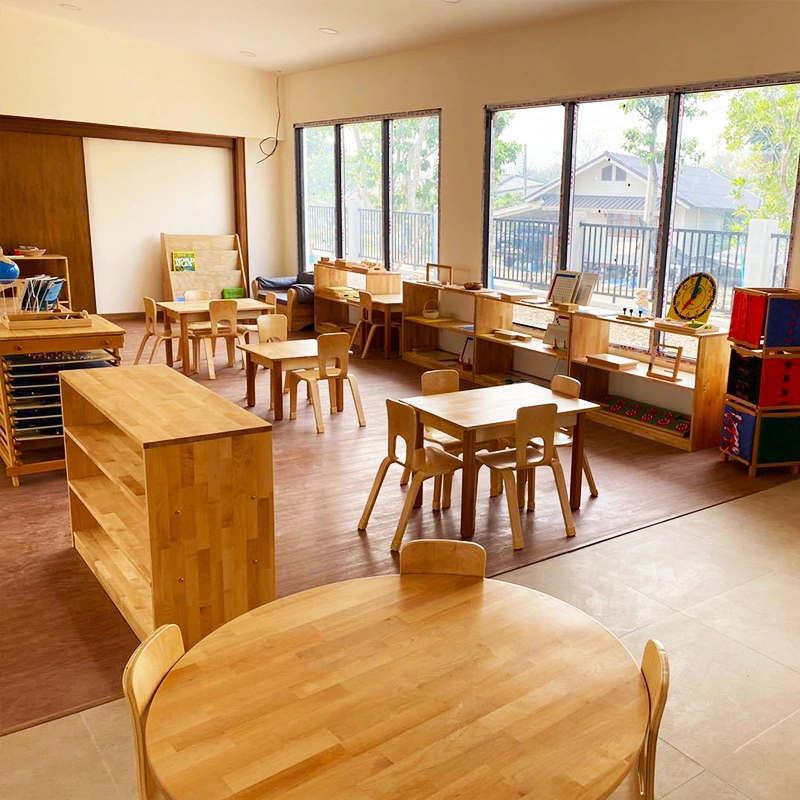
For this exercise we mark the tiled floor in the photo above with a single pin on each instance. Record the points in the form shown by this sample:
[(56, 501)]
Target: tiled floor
[(719, 588)]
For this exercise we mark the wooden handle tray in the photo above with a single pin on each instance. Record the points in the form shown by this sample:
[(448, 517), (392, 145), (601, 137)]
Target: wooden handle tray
[(46, 319)]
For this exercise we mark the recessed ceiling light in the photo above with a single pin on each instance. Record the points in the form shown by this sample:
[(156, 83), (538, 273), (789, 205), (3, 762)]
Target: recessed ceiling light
[(70, 7), (329, 31), (451, 1), (248, 53)]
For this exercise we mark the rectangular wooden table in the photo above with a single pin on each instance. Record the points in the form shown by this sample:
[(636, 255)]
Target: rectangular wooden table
[(197, 311), (490, 413), (278, 357)]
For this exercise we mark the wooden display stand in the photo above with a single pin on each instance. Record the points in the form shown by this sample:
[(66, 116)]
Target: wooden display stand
[(332, 312), (31, 437), (218, 264), (49, 264), (703, 381), (171, 499)]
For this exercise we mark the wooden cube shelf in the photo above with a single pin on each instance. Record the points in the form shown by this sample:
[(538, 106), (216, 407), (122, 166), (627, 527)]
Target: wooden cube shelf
[(170, 495)]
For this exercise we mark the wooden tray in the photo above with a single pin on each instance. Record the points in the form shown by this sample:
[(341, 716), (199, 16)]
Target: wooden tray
[(28, 320)]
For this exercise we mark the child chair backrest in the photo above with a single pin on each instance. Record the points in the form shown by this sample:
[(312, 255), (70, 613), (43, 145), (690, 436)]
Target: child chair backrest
[(146, 669), (443, 557), (272, 328), (196, 294), (334, 354), (569, 387), (150, 315), (439, 381), (223, 316), (655, 669), (365, 300), (402, 425), (254, 288), (270, 298), (535, 422)]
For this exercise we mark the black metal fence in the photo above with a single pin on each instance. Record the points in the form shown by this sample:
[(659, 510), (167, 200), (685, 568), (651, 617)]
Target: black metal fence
[(781, 245), (623, 256), (321, 229)]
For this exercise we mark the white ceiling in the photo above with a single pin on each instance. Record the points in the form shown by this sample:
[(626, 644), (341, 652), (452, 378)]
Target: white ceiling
[(285, 33)]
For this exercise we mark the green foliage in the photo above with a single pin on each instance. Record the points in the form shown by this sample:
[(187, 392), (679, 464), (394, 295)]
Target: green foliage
[(507, 200), (764, 127), (319, 181), (504, 152)]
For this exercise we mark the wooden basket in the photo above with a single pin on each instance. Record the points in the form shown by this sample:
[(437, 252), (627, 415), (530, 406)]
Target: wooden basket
[(32, 320), (431, 309)]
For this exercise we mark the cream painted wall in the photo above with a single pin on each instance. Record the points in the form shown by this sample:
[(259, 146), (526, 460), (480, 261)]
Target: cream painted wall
[(136, 190), (78, 73), (632, 46)]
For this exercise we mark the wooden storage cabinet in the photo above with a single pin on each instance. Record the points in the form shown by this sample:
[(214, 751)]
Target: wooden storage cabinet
[(171, 497)]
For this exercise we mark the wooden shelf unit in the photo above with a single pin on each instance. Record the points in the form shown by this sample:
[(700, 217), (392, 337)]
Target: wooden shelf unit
[(701, 388), (171, 497), (49, 264), (333, 313), (218, 264)]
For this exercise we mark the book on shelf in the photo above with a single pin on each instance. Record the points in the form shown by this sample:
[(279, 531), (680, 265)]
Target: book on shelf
[(41, 293), (183, 262), (610, 361)]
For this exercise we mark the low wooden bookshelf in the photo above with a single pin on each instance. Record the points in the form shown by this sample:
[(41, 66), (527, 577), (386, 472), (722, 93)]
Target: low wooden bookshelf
[(170, 496)]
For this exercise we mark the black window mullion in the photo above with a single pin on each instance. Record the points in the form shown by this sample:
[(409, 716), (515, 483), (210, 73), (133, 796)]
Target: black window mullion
[(386, 164), (339, 177), (670, 174), (567, 182), (488, 124), (300, 199)]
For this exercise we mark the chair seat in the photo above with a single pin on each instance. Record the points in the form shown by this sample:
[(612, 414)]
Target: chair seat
[(313, 374), (507, 459), (562, 439), (449, 443), (435, 461)]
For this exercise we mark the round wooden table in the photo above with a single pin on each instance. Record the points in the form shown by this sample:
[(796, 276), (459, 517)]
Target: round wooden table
[(401, 686)]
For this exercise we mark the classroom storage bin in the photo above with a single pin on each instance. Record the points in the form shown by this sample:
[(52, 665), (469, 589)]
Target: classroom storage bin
[(764, 380), (768, 318)]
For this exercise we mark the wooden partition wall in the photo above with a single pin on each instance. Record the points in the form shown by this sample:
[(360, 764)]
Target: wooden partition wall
[(43, 199)]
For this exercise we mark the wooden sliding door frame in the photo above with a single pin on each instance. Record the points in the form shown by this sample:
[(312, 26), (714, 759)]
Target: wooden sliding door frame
[(93, 130)]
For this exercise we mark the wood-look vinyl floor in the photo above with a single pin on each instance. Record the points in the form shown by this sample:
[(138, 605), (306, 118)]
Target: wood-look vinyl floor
[(64, 645)]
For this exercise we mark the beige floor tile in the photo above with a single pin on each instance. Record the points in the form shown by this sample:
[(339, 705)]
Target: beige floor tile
[(672, 770), (763, 614), (767, 767), (705, 787), (721, 693), (110, 728), (56, 760), (581, 579)]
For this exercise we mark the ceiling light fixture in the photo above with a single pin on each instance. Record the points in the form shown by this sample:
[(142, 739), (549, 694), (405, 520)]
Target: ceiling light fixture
[(451, 2), (248, 53), (329, 31), (70, 7)]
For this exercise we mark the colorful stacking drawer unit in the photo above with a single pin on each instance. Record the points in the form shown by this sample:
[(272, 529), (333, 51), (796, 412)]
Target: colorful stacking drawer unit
[(761, 418), (766, 319)]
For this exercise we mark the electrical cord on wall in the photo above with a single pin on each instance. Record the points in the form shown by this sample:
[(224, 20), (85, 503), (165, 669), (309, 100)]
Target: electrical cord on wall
[(273, 139)]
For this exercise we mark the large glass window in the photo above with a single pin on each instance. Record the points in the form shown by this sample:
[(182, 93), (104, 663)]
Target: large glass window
[(414, 192), (343, 213), (319, 195), (735, 189), (525, 185)]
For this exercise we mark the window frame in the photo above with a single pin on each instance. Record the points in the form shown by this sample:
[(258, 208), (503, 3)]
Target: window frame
[(386, 178), (675, 94)]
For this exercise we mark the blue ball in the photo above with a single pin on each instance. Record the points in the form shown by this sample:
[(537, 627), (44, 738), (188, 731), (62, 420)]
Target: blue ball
[(8, 272)]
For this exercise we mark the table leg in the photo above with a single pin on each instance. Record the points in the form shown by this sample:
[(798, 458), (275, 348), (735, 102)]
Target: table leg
[(468, 486), (387, 334), (339, 395), (419, 441), (168, 342), (251, 367), (276, 378), (187, 362), (576, 469)]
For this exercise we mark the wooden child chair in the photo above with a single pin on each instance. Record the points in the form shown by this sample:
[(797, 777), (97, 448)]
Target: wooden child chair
[(442, 557), (570, 387), (146, 669), (424, 462), (375, 320), (222, 325), (196, 294), (151, 329), (333, 367), (533, 422), (271, 299), (273, 328)]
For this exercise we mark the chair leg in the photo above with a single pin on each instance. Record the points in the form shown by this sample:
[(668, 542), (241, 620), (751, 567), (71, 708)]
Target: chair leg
[(513, 509), (354, 334), (243, 339), (317, 403), (563, 496), (332, 394), (371, 333), (408, 507), (146, 336), (212, 375), (447, 490), (522, 477), (405, 477), (531, 489), (196, 348), (373, 493), (362, 420), (230, 346), (291, 386), (589, 477), (437, 493), (156, 343)]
